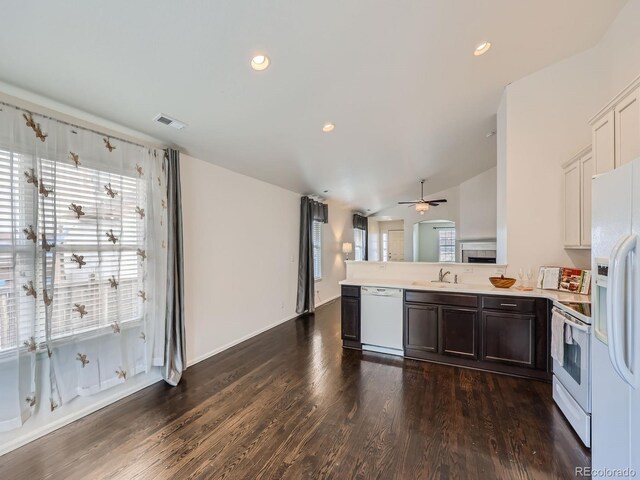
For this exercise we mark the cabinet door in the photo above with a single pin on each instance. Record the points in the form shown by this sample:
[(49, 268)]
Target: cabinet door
[(421, 327), (627, 126), (351, 319), (572, 205), (603, 143), (458, 332), (508, 338), (586, 172)]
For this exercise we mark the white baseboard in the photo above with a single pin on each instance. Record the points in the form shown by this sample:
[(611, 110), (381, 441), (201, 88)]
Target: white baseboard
[(21, 440), (327, 300), (221, 349)]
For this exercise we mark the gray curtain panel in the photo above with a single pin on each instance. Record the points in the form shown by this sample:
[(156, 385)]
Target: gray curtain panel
[(174, 347), (310, 211)]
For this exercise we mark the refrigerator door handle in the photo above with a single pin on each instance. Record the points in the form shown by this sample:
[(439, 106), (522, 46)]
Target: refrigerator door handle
[(612, 301), (617, 307)]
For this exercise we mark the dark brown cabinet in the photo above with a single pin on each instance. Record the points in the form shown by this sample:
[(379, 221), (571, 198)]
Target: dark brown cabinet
[(501, 334), (444, 325), (516, 333), (509, 338), (350, 316), (459, 332), (421, 327)]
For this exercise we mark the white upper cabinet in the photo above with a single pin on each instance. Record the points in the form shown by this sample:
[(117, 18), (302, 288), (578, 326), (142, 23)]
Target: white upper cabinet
[(627, 127), (576, 176), (603, 142), (572, 205), (616, 130), (586, 175)]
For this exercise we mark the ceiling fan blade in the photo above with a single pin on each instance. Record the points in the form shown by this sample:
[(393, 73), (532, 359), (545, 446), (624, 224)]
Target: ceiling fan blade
[(408, 203), (442, 200)]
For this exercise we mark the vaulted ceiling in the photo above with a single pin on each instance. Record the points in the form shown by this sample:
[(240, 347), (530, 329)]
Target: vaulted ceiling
[(398, 78)]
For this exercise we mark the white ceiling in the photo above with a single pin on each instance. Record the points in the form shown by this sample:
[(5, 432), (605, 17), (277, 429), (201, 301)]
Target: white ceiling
[(398, 78)]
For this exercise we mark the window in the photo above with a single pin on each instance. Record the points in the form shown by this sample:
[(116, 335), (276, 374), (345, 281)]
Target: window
[(90, 285), (317, 250), (359, 242), (447, 244), (385, 246)]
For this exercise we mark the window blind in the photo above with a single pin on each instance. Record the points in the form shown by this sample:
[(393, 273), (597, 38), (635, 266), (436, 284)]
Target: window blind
[(358, 240), (105, 260), (317, 249), (447, 244)]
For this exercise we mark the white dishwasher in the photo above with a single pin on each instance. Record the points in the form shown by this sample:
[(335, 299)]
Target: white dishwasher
[(381, 320)]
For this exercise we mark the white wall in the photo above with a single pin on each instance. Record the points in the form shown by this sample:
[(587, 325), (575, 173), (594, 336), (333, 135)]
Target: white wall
[(542, 122), (374, 240), (478, 206), (546, 124), (241, 256), (620, 49), (501, 182), (334, 234)]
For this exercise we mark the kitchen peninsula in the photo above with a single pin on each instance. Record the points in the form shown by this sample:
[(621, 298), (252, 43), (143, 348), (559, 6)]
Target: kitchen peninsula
[(469, 324)]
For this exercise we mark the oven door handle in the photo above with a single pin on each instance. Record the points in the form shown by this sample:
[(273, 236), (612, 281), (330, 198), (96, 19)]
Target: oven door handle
[(574, 323)]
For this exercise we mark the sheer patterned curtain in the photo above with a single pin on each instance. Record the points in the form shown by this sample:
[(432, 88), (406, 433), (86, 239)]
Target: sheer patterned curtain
[(82, 262)]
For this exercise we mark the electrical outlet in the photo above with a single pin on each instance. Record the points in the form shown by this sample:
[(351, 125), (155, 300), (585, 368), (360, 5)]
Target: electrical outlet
[(468, 270), (382, 266)]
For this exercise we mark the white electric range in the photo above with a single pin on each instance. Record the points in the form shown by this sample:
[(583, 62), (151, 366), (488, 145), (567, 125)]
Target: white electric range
[(572, 371)]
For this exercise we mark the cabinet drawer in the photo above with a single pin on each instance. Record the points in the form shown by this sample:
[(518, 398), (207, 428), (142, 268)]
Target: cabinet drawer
[(350, 291), (441, 298), (509, 304)]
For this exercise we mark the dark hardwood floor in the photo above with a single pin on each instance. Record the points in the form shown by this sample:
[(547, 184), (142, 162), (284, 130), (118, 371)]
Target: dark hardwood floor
[(291, 403)]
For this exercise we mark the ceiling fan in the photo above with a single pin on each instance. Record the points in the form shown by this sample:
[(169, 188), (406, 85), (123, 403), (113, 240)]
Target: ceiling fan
[(423, 205)]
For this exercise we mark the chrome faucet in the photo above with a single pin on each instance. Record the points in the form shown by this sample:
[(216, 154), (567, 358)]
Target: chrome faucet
[(441, 276)]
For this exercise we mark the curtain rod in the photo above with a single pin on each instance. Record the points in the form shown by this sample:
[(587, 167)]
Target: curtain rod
[(73, 125)]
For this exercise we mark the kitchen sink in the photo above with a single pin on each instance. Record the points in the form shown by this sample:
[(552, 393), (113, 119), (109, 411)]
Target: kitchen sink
[(428, 284)]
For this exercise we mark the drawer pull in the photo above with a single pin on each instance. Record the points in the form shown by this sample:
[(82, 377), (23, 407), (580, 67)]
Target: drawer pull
[(508, 305)]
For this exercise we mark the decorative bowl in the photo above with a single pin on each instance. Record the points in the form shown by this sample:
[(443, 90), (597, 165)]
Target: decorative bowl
[(502, 281)]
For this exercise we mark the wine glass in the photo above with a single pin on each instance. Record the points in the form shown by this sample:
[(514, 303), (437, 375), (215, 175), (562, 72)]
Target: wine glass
[(521, 277), (529, 276)]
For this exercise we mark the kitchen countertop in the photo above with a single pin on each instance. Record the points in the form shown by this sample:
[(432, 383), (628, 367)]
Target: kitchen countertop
[(428, 286)]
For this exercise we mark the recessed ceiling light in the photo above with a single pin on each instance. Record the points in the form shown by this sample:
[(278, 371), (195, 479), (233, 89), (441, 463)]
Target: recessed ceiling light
[(260, 62), (482, 49), (328, 127)]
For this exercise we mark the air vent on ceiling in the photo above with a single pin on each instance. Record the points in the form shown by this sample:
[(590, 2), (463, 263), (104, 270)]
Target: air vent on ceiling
[(167, 120)]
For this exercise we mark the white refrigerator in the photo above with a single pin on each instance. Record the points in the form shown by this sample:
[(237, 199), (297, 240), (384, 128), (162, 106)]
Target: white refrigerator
[(615, 343)]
